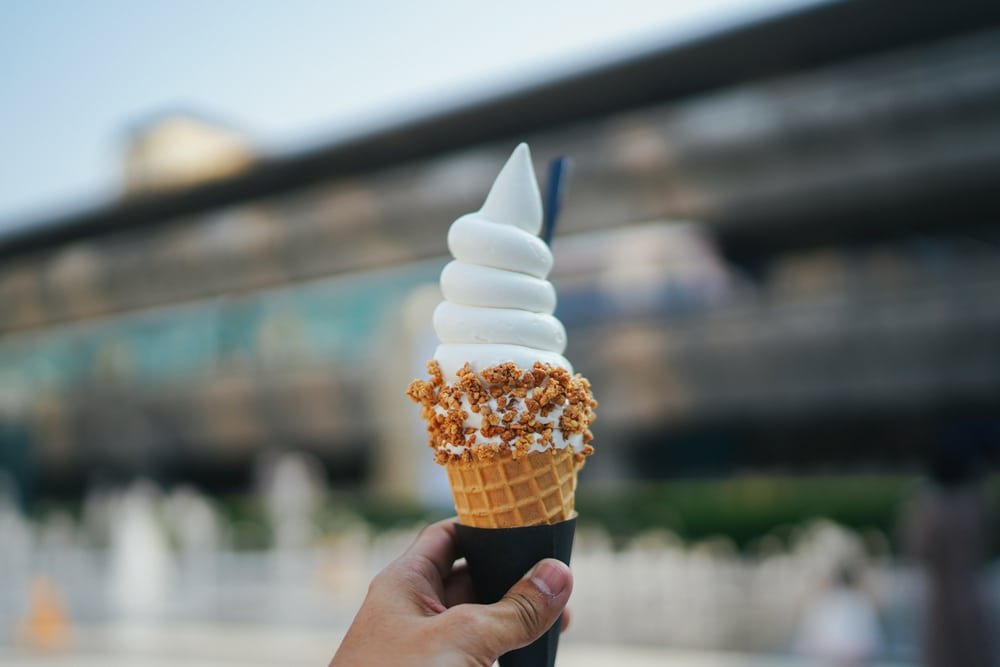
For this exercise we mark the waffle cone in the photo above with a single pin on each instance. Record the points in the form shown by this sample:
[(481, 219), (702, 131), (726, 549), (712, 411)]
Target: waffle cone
[(536, 488)]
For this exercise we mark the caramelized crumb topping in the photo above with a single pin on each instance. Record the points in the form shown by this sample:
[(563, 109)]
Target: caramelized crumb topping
[(537, 392)]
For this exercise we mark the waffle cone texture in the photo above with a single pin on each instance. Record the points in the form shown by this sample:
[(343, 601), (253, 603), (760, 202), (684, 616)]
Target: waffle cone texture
[(505, 492)]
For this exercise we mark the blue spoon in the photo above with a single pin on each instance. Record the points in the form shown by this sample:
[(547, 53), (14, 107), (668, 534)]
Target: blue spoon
[(554, 194)]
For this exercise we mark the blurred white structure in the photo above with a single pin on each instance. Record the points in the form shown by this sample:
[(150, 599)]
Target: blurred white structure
[(141, 562), (292, 487), (167, 562)]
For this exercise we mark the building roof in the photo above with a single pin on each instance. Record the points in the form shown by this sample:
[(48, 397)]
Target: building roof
[(803, 39)]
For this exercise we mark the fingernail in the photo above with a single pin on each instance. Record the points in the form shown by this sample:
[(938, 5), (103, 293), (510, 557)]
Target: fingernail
[(550, 577)]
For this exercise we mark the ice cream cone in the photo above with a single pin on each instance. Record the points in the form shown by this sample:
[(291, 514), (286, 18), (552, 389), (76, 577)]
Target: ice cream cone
[(506, 416), (505, 492)]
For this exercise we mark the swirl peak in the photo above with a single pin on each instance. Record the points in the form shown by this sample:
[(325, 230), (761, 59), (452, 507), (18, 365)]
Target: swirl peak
[(514, 198)]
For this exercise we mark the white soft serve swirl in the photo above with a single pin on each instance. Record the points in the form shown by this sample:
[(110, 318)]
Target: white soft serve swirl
[(498, 305)]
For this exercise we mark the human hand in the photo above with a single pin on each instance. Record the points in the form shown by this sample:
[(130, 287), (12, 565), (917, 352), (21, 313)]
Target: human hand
[(419, 610)]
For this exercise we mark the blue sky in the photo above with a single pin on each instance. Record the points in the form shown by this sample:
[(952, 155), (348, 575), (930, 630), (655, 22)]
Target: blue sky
[(74, 75)]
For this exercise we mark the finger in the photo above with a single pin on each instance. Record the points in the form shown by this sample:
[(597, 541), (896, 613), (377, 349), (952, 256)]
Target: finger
[(528, 609), (564, 620), (436, 544), (458, 586)]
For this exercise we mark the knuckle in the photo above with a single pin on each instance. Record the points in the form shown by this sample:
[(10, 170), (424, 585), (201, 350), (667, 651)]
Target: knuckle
[(527, 611), (479, 636), (418, 567), (466, 616), (401, 578), (402, 573), (378, 582)]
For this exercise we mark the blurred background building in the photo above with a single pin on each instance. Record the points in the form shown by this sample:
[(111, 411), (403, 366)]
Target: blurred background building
[(176, 150), (778, 262)]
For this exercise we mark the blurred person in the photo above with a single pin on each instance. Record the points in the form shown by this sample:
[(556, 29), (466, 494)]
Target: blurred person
[(841, 627), (419, 610), (947, 529)]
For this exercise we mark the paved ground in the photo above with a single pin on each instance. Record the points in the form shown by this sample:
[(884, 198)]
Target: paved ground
[(250, 646)]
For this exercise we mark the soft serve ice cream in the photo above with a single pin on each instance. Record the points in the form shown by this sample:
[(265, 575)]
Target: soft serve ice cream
[(500, 386), (498, 305)]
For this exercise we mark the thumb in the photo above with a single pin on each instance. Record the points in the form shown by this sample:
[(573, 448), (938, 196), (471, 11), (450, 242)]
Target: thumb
[(528, 609)]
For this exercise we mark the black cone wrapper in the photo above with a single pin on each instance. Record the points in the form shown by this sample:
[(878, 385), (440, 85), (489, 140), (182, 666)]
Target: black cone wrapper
[(499, 557)]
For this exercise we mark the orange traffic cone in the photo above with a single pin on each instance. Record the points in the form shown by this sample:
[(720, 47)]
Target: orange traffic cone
[(46, 627)]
